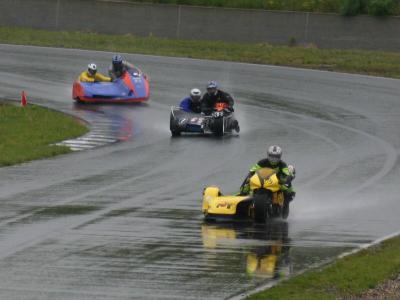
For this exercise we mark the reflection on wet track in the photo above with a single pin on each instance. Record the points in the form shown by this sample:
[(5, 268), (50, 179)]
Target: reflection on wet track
[(124, 221), (268, 259), (106, 126)]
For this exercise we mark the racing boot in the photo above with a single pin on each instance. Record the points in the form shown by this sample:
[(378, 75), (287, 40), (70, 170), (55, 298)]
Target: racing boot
[(235, 125), (288, 197), (285, 208)]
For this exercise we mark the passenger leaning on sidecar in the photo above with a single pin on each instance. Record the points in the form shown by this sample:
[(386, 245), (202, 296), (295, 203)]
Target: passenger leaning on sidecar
[(91, 75), (192, 102), (119, 67), (285, 173)]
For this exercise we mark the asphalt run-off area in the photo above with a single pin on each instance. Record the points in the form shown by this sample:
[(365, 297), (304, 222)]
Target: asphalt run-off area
[(125, 219)]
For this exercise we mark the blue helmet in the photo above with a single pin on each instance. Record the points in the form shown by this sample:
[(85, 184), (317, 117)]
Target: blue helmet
[(212, 85), (117, 59)]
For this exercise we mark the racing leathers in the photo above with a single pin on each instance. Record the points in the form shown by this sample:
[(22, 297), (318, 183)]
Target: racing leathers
[(284, 176), (189, 105), (87, 77), (117, 72), (209, 100)]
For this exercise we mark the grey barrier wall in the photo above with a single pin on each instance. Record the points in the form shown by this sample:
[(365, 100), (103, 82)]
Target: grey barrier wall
[(204, 23)]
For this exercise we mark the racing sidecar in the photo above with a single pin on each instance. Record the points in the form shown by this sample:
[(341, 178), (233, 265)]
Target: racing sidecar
[(266, 201), (219, 122), (133, 86)]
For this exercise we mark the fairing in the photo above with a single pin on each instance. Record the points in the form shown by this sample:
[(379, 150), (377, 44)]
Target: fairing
[(128, 88)]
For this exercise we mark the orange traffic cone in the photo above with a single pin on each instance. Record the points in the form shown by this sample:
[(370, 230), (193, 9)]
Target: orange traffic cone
[(24, 102)]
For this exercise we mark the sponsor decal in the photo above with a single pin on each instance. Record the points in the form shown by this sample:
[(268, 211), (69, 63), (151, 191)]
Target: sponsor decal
[(196, 121), (224, 204)]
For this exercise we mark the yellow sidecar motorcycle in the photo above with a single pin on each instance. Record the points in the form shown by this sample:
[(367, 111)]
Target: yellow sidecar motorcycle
[(265, 201)]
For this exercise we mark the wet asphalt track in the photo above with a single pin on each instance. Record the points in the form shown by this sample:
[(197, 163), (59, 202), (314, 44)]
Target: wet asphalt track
[(141, 235)]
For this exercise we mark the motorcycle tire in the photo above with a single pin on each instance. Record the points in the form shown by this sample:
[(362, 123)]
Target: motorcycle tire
[(261, 205), (175, 133), (218, 126), (172, 126)]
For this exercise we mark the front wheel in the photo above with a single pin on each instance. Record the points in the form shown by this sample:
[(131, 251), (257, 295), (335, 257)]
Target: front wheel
[(261, 208), (218, 126)]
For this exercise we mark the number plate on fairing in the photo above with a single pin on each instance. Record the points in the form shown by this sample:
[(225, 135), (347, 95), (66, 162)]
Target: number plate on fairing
[(196, 121)]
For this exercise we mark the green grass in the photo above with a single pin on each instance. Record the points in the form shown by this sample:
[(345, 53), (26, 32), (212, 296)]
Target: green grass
[(353, 61), (28, 132), (292, 5), (347, 277), (328, 6)]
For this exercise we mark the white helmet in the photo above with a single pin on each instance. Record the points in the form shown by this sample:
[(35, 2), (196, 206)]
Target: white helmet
[(274, 154), (92, 68), (195, 94)]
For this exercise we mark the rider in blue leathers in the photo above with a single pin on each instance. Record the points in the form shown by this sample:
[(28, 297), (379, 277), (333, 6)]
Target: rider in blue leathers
[(192, 102)]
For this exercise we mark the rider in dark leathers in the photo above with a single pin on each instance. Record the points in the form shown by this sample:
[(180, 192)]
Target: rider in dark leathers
[(213, 96)]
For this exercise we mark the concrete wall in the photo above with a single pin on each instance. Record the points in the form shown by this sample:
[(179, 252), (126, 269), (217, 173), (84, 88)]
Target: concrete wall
[(234, 25)]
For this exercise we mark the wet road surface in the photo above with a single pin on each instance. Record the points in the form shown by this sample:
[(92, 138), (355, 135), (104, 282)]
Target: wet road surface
[(123, 221)]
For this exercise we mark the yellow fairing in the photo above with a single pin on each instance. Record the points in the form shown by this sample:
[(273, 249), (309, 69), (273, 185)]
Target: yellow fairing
[(223, 205), (209, 194), (265, 178)]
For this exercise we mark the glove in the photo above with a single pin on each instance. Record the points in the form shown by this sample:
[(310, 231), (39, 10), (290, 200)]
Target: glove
[(207, 111), (227, 110)]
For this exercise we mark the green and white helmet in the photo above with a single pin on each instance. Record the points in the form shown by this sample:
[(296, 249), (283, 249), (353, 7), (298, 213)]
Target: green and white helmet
[(274, 154)]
